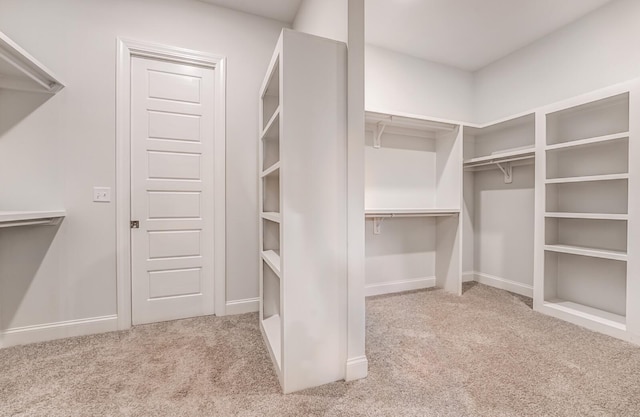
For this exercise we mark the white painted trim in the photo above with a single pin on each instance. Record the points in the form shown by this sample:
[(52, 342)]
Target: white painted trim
[(356, 314), (126, 50), (468, 276), (357, 368), (400, 286), (248, 305), (504, 284), (59, 330)]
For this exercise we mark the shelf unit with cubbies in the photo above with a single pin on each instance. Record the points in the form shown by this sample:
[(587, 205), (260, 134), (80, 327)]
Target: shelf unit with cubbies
[(587, 212), (303, 210)]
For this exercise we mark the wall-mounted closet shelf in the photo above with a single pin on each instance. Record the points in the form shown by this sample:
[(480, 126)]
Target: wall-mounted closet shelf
[(272, 258), (30, 218), (499, 158), (588, 142), (379, 215), (589, 313), (590, 216), (273, 169), (582, 251), (386, 213), (590, 178), (273, 217), (21, 71), (402, 125)]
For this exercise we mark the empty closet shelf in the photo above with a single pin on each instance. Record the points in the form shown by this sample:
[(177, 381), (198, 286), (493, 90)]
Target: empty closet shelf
[(271, 328), (377, 213), (272, 258), (502, 157), (588, 178), (588, 142), (594, 314), (583, 251), (271, 216), (590, 216), (30, 218)]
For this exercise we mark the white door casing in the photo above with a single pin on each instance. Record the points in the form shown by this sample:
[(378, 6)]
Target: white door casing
[(172, 190)]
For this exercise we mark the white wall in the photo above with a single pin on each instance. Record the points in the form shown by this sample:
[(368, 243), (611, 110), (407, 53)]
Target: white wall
[(503, 216), (596, 51), (399, 83), (326, 18), (58, 152)]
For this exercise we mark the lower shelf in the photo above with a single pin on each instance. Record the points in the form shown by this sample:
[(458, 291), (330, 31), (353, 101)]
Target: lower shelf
[(589, 313), (31, 218), (272, 330), (583, 251)]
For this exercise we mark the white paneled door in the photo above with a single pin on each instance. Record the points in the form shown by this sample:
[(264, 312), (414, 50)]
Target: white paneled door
[(172, 190)]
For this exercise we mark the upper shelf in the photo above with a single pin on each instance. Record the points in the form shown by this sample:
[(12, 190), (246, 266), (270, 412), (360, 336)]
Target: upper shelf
[(500, 157), (30, 218), (21, 71), (404, 125)]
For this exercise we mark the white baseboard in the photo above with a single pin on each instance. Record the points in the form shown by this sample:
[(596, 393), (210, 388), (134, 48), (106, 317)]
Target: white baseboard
[(469, 276), (60, 330), (504, 284), (357, 368), (399, 286), (249, 305)]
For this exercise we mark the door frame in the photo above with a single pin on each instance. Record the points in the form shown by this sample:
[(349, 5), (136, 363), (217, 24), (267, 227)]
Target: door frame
[(126, 50)]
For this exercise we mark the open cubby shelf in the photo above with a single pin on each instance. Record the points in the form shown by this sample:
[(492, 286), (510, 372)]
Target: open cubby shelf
[(303, 217)]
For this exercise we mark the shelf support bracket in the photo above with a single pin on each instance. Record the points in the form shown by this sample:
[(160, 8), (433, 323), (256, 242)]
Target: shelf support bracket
[(507, 171), (377, 225), (377, 138)]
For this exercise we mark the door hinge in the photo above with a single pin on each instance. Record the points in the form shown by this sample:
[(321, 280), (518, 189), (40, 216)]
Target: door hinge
[(135, 224)]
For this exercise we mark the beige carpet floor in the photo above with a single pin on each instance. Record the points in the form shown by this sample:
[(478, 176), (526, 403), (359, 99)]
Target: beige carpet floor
[(431, 354)]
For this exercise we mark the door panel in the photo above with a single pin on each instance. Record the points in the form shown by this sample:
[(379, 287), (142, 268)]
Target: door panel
[(172, 145)]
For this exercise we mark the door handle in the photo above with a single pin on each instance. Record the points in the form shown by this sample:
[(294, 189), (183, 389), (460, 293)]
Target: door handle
[(135, 224)]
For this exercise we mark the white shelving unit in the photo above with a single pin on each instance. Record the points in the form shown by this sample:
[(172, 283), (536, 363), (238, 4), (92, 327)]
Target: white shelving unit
[(303, 218), (20, 71), (498, 209), (412, 198), (586, 212)]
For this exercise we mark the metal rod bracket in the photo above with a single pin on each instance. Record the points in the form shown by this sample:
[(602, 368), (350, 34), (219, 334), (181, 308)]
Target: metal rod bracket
[(377, 138), (507, 171)]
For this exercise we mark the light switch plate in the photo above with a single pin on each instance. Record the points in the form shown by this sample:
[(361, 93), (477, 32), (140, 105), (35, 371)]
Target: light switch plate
[(102, 194)]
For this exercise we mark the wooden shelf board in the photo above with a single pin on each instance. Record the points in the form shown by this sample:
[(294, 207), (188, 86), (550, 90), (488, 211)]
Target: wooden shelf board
[(413, 212), (583, 251), (272, 258), (591, 178), (591, 216), (267, 129), (271, 216), (587, 142), (30, 218), (603, 317), (272, 331), (275, 168), (501, 156)]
